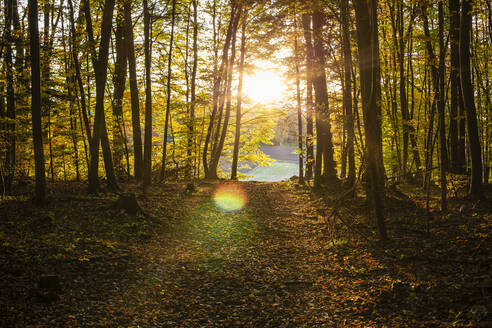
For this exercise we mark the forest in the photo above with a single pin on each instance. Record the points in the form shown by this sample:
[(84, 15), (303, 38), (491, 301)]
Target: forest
[(245, 163)]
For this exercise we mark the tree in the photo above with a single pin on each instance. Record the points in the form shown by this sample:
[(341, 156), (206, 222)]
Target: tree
[(132, 67), (147, 160), (37, 133), (368, 47), (100, 64), (325, 172), (476, 186), (168, 92), (347, 91), (235, 152)]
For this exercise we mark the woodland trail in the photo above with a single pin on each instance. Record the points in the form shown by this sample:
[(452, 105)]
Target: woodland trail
[(257, 267), (276, 262)]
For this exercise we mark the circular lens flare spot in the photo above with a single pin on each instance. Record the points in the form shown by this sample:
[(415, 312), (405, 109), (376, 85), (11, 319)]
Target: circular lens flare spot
[(230, 197)]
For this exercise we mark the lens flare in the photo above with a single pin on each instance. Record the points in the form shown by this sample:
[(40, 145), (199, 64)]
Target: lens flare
[(230, 197)]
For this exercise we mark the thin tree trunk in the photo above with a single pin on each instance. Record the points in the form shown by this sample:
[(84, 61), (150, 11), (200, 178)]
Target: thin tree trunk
[(235, 152), (147, 160), (299, 111), (168, 93), (306, 24), (476, 186), (100, 65), (367, 39), (119, 79), (441, 104), (325, 172), (40, 189), (347, 94), (132, 68)]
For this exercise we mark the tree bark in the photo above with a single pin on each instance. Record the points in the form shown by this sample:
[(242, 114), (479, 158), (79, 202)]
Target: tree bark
[(476, 186), (100, 64), (347, 94), (168, 93), (325, 171), (132, 67), (306, 24), (367, 40), (147, 160), (40, 189), (237, 136)]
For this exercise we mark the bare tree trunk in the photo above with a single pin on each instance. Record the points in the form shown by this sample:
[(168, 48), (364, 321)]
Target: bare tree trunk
[(457, 153), (40, 189), (119, 79), (235, 152), (367, 39), (325, 172), (476, 187), (347, 94), (147, 160), (306, 24), (441, 104), (100, 64), (299, 111), (168, 93), (11, 115), (132, 67)]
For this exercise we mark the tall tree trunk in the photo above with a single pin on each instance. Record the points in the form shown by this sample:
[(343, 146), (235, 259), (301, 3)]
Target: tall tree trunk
[(132, 67), (11, 115), (457, 152), (100, 64), (325, 171), (367, 39), (147, 160), (299, 111), (306, 24), (237, 136), (228, 95), (168, 93), (219, 76), (191, 126), (78, 76), (347, 91), (476, 186), (37, 134), (119, 79), (441, 104)]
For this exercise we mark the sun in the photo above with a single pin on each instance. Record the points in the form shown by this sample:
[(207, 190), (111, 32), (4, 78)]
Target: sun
[(265, 86)]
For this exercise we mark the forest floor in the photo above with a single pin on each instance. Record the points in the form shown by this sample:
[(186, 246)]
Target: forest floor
[(289, 258)]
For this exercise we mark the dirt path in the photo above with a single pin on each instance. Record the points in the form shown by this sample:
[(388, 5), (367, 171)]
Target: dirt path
[(273, 263), (255, 267)]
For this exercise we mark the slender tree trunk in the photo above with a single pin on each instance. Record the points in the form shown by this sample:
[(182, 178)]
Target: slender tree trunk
[(457, 153), (100, 65), (367, 39), (119, 79), (191, 126), (132, 67), (10, 156), (168, 93), (235, 152), (441, 104), (228, 95), (40, 189), (306, 24), (325, 172), (147, 160), (476, 186), (299, 111), (347, 94)]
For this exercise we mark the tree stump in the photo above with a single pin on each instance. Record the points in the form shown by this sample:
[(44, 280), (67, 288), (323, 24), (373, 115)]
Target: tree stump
[(128, 203)]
